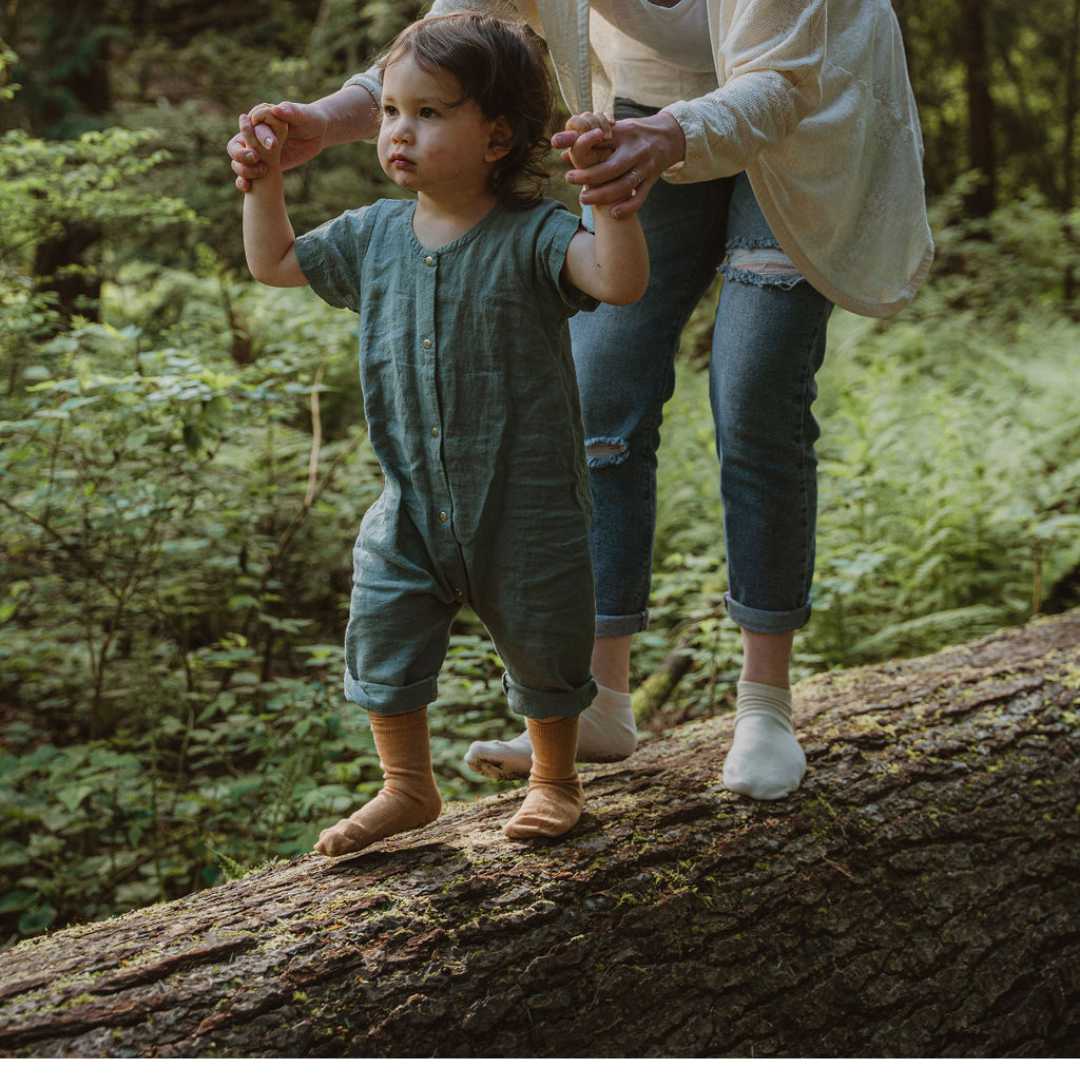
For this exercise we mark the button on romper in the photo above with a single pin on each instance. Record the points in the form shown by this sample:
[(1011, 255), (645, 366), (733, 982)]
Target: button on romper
[(473, 413)]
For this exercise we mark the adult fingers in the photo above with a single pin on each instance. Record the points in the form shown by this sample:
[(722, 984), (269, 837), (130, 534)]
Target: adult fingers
[(561, 139), (254, 137), (238, 149), (625, 207), (269, 131), (247, 130), (619, 192), (589, 121), (587, 145), (599, 120), (266, 126), (620, 163), (590, 139), (248, 171), (623, 189)]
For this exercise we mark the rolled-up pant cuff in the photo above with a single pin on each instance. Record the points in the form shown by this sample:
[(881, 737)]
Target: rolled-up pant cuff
[(541, 703), (388, 700), (621, 625), (758, 621)]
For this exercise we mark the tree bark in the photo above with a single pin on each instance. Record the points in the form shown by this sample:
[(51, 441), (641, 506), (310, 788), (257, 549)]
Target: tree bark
[(919, 895)]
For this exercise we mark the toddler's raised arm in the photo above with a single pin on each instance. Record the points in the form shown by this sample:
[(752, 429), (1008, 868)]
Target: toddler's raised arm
[(268, 233), (611, 265)]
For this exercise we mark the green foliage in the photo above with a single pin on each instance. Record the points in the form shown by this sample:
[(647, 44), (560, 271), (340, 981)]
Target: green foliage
[(44, 186), (175, 577), (1005, 268), (8, 89)]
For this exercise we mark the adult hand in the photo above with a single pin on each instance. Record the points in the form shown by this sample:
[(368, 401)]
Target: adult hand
[(644, 147), (307, 125), (269, 146)]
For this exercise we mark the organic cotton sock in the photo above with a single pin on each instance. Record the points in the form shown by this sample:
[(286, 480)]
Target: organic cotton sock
[(409, 798), (553, 802), (606, 732), (765, 760)]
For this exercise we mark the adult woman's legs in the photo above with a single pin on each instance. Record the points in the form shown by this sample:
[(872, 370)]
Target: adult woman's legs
[(768, 343), (611, 662), (625, 362), (767, 657)]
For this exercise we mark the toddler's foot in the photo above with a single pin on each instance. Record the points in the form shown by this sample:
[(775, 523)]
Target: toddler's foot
[(553, 802), (409, 798), (765, 760), (606, 732), (389, 813)]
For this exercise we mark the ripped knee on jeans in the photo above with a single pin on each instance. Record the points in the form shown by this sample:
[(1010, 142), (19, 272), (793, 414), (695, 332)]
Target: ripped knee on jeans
[(603, 451), (752, 263)]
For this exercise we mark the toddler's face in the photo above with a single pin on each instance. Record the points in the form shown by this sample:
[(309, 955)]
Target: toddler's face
[(426, 141)]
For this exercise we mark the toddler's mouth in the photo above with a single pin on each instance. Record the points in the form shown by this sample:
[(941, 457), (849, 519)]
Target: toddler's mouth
[(402, 162)]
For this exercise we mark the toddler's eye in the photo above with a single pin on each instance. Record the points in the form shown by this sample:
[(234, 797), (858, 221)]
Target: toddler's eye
[(427, 112), (389, 110)]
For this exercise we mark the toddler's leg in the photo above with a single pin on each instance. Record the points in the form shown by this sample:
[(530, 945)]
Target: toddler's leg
[(553, 803), (409, 798)]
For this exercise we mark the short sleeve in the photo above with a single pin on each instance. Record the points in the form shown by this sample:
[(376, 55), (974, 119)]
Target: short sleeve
[(557, 229), (331, 255)]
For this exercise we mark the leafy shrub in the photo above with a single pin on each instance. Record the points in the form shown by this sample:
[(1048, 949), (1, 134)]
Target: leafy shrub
[(177, 539)]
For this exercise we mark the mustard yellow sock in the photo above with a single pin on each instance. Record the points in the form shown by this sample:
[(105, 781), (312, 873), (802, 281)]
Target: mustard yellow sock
[(553, 802), (409, 798)]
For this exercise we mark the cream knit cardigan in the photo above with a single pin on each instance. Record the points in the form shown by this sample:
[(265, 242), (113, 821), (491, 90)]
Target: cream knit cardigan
[(811, 99)]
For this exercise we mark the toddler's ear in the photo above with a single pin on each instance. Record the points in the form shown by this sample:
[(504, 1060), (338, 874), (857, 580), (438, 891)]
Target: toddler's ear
[(502, 140)]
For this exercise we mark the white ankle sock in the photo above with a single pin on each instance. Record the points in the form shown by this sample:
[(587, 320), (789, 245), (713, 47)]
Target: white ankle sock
[(606, 732), (765, 760), (606, 729)]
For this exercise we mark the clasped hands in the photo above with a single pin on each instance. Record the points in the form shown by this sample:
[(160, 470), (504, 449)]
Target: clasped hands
[(591, 144), (615, 163)]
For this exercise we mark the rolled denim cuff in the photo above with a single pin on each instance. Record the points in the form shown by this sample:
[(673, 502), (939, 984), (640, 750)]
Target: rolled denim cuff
[(541, 703), (621, 625), (388, 700), (758, 621)]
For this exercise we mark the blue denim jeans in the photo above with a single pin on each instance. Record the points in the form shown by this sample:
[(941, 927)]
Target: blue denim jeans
[(768, 343)]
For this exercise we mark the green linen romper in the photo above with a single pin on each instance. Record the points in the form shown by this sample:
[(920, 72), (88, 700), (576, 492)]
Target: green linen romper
[(472, 411)]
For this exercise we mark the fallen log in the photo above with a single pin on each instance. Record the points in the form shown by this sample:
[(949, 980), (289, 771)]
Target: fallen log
[(920, 895)]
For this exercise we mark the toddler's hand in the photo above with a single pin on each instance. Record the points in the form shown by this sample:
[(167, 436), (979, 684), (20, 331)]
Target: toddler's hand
[(270, 150), (594, 142)]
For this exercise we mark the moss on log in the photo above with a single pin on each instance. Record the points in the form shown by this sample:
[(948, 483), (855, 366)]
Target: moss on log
[(920, 895)]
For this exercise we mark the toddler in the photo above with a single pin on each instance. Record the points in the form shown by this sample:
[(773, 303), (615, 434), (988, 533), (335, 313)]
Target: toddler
[(463, 296)]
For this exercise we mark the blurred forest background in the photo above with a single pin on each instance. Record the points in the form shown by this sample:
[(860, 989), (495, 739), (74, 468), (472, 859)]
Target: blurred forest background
[(184, 463)]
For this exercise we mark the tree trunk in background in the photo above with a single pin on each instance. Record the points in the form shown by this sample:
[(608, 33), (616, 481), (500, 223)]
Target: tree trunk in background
[(920, 895), (1068, 188), (77, 293), (71, 64), (983, 199)]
